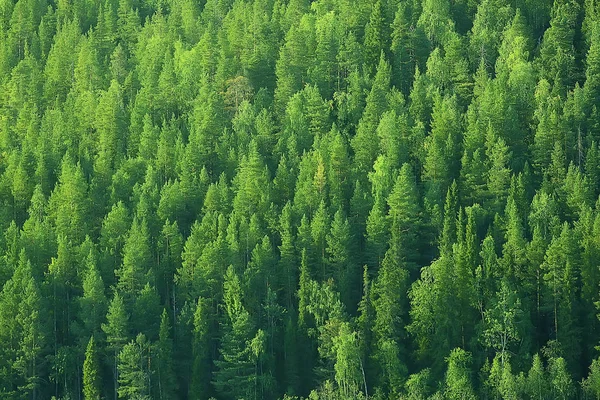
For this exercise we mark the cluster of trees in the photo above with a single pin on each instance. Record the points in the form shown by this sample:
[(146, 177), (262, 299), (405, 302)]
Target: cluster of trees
[(330, 199)]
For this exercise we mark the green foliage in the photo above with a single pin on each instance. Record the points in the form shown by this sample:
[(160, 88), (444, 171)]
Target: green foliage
[(561, 383), (166, 377), (502, 322), (24, 330), (458, 380), (348, 364), (93, 303), (241, 350), (591, 385), (188, 189), (134, 377), (91, 373), (136, 257)]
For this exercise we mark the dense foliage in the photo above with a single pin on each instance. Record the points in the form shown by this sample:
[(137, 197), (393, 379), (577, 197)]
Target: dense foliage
[(331, 199)]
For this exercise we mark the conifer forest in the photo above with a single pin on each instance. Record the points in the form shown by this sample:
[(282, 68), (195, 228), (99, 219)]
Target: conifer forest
[(299, 199)]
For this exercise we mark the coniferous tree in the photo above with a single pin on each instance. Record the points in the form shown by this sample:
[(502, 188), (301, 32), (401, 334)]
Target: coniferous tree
[(91, 373), (134, 373), (375, 34), (199, 385), (166, 378), (236, 374), (69, 205), (556, 59), (117, 334), (24, 331), (442, 149), (93, 303), (448, 147), (136, 259), (340, 254), (365, 143), (536, 381), (458, 380)]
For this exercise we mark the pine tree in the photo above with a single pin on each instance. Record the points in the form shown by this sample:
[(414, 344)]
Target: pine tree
[(556, 59), (134, 373), (434, 310), (408, 46), (235, 375), (587, 229), (145, 312), (592, 73), (591, 385), (261, 274), (166, 377), (24, 331), (328, 41), (377, 237), (292, 64), (136, 261), (561, 384), (561, 272), (436, 20), (288, 255), (69, 205), (365, 319), (365, 144), (304, 281), (348, 364), (498, 177), (448, 236), (489, 23), (388, 327), (536, 384), (458, 380), (252, 184), (403, 216), (170, 245), (201, 366), (93, 303), (91, 373), (320, 226), (417, 385), (61, 61), (547, 133), (37, 236), (513, 250), (442, 149), (117, 334), (340, 258), (62, 281), (395, 141), (375, 35), (338, 169), (113, 233)]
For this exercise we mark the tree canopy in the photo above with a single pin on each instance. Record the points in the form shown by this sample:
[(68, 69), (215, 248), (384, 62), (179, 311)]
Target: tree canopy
[(299, 199)]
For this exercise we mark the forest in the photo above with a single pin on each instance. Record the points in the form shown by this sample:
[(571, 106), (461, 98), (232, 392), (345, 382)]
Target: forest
[(296, 199)]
